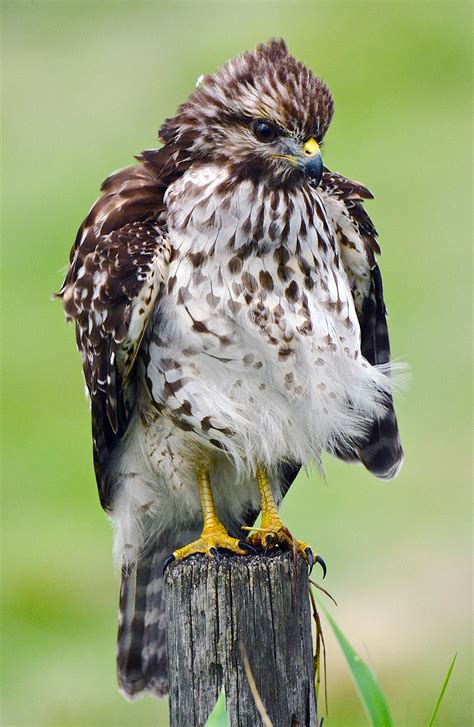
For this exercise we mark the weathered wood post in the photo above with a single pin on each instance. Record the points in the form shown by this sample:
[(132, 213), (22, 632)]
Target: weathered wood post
[(220, 614)]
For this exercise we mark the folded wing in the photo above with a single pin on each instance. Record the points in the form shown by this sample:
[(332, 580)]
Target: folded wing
[(117, 267), (380, 450)]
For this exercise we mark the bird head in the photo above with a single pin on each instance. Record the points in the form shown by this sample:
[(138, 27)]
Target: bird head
[(263, 114)]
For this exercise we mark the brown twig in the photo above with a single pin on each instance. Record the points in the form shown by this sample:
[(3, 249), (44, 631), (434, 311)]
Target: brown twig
[(317, 654), (320, 588)]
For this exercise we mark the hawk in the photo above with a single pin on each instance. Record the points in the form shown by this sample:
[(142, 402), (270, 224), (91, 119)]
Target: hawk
[(230, 315)]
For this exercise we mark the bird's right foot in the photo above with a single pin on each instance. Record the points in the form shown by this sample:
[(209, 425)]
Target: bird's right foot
[(213, 538)]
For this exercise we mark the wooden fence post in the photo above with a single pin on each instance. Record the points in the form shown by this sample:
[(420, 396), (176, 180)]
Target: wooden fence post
[(219, 615)]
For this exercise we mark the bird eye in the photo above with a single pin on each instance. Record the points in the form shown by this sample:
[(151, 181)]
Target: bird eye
[(263, 131)]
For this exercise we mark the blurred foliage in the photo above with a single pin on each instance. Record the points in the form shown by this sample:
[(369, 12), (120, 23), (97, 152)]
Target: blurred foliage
[(368, 688), (444, 686), (85, 86), (218, 716)]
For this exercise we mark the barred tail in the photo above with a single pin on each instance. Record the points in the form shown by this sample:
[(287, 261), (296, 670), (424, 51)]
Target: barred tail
[(141, 649)]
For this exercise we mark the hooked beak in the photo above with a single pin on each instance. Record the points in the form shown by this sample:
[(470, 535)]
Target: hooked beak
[(307, 159), (310, 161)]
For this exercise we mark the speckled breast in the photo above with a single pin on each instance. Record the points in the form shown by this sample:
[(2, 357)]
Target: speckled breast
[(257, 326)]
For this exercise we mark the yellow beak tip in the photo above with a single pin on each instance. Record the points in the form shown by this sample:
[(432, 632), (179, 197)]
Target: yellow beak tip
[(310, 147)]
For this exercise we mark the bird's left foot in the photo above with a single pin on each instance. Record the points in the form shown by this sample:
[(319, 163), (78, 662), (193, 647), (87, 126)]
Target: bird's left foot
[(273, 533)]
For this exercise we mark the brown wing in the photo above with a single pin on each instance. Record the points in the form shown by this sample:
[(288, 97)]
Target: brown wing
[(117, 266), (381, 451)]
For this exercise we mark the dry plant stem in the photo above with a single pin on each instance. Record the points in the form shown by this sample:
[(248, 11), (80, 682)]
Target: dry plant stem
[(319, 639), (253, 688)]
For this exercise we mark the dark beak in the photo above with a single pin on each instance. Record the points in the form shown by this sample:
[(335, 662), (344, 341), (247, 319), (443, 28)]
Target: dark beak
[(312, 167)]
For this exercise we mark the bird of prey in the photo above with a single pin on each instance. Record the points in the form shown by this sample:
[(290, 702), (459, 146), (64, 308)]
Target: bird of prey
[(230, 315)]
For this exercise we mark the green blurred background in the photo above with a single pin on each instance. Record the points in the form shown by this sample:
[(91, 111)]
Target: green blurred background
[(85, 87)]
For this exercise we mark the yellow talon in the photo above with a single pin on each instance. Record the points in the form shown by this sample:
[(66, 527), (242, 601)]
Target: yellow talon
[(209, 542), (214, 535), (277, 534), (272, 531)]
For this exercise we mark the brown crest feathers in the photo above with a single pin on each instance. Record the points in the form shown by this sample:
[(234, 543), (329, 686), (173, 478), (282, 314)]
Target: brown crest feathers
[(269, 79)]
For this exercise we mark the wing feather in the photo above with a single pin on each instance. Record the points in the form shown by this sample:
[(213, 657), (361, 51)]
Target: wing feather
[(117, 267), (380, 451)]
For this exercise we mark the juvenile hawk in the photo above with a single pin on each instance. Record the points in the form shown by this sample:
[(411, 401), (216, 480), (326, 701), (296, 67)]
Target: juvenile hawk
[(230, 316)]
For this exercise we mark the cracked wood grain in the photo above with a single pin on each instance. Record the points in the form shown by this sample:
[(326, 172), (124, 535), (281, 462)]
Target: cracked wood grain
[(216, 612)]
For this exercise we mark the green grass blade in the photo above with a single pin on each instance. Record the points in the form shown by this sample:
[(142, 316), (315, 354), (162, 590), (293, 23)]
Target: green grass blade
[(218, 716), (443, 689), (368, 688)]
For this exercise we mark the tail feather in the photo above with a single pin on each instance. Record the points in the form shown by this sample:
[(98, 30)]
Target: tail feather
[(142, 661), (141, 644), (154, 654)]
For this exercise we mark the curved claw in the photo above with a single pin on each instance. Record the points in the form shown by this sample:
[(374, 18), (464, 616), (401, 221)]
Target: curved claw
[(215, 554), (168, 561), (268, 542), (322, 564), (246, 546), (310, 558)]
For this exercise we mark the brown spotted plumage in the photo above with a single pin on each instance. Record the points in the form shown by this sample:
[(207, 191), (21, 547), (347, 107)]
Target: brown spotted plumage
[(230, 316)]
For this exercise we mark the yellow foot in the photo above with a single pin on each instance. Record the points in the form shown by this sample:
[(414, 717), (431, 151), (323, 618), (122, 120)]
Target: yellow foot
[(210, 541), (275, 533)]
